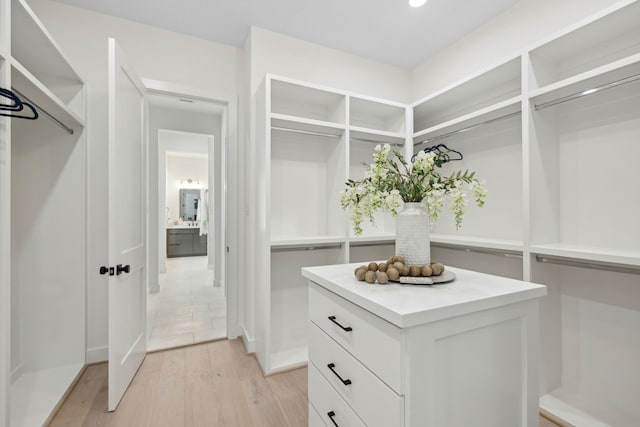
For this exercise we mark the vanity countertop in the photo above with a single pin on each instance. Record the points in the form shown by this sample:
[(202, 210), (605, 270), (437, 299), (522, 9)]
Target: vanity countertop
[(170, 227)]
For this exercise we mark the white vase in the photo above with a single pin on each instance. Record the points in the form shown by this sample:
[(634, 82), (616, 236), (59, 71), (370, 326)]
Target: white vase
[(412, 235)]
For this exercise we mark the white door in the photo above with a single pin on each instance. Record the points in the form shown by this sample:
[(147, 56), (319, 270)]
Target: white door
[(127, 224)]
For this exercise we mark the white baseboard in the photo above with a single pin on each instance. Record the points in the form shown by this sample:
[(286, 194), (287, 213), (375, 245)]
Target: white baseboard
[(16, 373), (154, 288), (99, 354), (249, 342)]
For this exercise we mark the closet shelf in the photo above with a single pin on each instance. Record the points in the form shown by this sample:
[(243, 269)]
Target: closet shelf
[(36, 50), (558, 405), (373, 135), (589, 253), (609, 73), (488, 87), (463, 242), (306, 243), (471, 120), (285, 121), (37, 92)]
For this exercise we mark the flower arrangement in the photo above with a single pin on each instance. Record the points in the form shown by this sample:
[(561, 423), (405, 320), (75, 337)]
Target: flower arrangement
[(388, 182)]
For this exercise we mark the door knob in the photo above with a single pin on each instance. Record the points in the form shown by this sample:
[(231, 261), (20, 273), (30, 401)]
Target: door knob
[(120, 269)]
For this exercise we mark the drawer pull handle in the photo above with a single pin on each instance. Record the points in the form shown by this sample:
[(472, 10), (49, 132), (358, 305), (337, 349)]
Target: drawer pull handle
[(332, 414), (332, 366), (333, 319)]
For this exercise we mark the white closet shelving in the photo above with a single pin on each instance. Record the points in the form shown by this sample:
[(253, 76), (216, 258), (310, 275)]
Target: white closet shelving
[(584, 103), (47, 226), (554, 132), (481, 118), (315, 138)]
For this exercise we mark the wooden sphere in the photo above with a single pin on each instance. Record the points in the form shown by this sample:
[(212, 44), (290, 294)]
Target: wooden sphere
[(426, 271), (370, 276), (382, 277), (393, 273)]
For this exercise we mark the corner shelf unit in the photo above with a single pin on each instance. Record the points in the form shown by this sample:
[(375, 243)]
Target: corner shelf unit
[(43, 168), (554, 133), (314, 139)]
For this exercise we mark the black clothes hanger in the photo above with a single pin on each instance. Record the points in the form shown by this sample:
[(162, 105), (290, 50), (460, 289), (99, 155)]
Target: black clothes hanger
[(17, 103), (16, 106), (449, 154)]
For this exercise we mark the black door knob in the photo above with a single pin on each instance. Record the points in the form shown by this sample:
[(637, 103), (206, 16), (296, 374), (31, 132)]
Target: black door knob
[(104, 270), (120, 269)]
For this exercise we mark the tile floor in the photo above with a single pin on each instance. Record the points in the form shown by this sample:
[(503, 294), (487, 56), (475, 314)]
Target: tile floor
[(188, 309)]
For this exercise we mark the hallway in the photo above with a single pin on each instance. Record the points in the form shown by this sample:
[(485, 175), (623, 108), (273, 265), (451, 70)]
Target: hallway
[(188, 309)]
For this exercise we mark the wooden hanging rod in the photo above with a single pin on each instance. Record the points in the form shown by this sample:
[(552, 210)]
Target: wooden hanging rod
[(588, 92), (465, 129), (588, 264), (44, 112)]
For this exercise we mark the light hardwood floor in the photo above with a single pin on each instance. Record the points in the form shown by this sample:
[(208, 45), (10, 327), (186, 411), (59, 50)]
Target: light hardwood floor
[(210, 384)]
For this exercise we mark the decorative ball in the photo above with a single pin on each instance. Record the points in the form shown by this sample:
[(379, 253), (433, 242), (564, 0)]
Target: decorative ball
[(373, 266), (382, 267), (438, 268), (370, 276), (426, 271), (393, 273), (414, 271), (360, 272), (382, 277)]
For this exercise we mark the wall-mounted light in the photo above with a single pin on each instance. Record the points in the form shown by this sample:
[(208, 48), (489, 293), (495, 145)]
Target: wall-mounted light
[(417, 3), (190, 183)]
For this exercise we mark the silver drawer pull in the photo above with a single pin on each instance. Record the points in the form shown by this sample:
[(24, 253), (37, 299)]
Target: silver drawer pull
[(332, 366), (347, 328), (332, 414)]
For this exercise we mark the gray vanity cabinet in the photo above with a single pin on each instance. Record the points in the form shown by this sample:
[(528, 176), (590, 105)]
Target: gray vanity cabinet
[(185, 242)]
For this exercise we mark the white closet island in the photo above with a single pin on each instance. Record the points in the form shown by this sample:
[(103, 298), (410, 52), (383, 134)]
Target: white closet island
[(43, 227), (459, 354)]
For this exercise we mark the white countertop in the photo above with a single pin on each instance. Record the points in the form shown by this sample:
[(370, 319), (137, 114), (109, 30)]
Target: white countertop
[(182, 226), (411, 305)]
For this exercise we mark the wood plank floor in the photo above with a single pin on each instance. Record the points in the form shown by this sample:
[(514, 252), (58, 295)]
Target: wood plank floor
[(210, 384)]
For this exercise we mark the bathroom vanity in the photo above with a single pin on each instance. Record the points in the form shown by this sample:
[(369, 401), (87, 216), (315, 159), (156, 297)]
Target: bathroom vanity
[(464, 353), (185, 241)]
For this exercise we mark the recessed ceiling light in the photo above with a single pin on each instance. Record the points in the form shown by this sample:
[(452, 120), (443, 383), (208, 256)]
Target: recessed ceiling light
[(417, 3)]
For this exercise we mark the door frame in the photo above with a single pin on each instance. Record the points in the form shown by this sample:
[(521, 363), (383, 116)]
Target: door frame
[(228, 162)]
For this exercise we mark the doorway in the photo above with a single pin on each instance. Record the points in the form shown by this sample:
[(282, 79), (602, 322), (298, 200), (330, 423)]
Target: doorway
[(186, 302)]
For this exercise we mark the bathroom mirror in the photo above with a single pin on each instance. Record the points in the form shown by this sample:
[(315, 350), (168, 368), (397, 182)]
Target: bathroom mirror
[(189, 204)]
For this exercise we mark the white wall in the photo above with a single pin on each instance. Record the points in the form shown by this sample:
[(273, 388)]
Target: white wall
[(508, 34), (290, 57), (157, 55)]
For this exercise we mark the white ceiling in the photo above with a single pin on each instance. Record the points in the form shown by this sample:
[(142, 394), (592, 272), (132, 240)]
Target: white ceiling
[(388, 31)]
